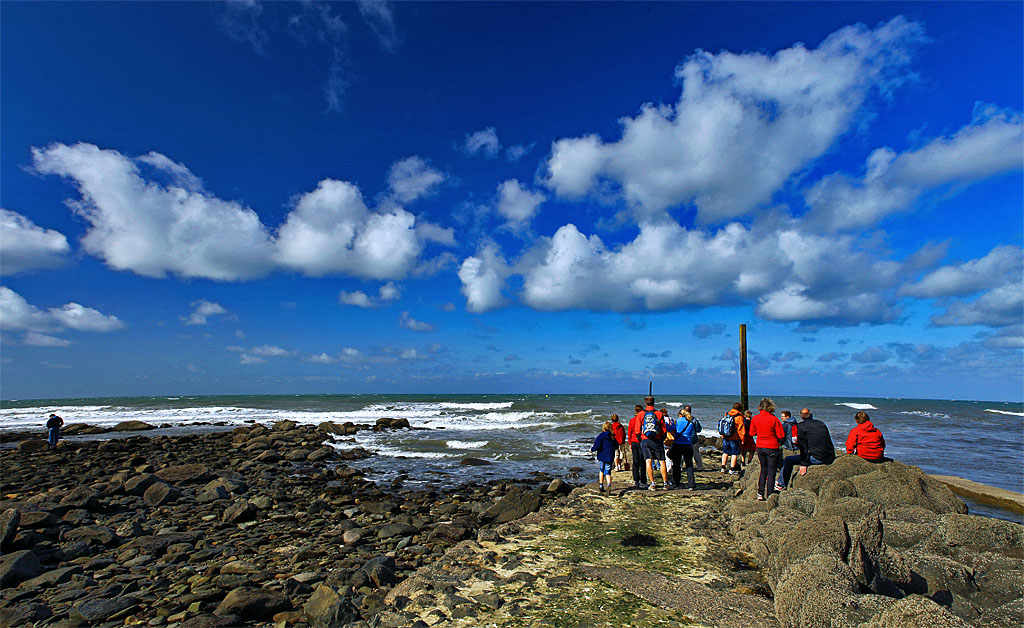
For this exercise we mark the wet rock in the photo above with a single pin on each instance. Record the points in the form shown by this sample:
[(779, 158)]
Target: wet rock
[(327, 608), (132, 426), (396, 529), (476, 462), (268, 457), (33, 446), (238, 512), (285, 426), (80, 497), (330, 427), (10, 519), (53, 577), (91, 535), (448, 532), (23, 615), (353, 536), (98, 610), (211, 494), (381, 571), (137, 484), (185, 473), (322, 453), (254, 604), (514, 505), (558, 487), (17, 567), (160, 493)]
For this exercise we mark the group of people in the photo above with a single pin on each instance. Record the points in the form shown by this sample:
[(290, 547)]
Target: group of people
[(659, 443), (656, 443)]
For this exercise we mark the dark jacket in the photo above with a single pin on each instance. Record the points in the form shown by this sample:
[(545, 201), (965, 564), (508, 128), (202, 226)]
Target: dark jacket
[(605, 447), (813, 439)]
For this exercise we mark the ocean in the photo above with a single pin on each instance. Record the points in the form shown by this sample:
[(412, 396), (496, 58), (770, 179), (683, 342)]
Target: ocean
[(978, 440)]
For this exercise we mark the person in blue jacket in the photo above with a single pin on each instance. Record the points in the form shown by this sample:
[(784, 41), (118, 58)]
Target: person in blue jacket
[(605, 447), (685, 429)]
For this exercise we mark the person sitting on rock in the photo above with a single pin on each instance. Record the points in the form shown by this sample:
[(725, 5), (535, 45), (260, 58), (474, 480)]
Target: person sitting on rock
[(815, 444), (865, 440), (605, 446), (619, 434), (53, 425)]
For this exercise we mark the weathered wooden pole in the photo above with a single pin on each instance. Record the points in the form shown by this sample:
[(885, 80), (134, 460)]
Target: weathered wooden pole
[(650, 389), (743, 366)]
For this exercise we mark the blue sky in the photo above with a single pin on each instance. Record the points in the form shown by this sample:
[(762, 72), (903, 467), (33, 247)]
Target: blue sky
[(204, 198)]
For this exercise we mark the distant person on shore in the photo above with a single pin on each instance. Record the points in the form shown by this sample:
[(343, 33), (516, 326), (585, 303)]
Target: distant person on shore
[(685, 428), (767, 430), (633, 435), (605, 446), (53, 425), (619, 434), (815, 445), (732, 431), (652, 437), (698, 459), (747, 446), (865, 440)]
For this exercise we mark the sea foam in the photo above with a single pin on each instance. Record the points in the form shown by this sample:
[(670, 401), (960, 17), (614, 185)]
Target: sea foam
[(857, 406)]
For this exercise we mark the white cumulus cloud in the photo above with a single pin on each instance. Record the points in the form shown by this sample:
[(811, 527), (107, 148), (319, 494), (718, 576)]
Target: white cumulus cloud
[(25, 246), (517, 204), (485, 142), (991, 144), (17, 314), (203, 311), (483, 278), (154, 229), (408, 322), (743, 125), (412, 178)]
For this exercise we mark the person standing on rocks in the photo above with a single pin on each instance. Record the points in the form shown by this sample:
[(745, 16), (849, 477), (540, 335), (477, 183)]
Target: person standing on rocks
[(766, 430), (698, 459), (747, 446), (605, 446), (731, 439), (633, 433), (53, 425), (619, 433), (685, 428), (865, 440), (652, 436)]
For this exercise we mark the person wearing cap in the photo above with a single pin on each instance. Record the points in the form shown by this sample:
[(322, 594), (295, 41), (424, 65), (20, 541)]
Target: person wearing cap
[(53, 424)]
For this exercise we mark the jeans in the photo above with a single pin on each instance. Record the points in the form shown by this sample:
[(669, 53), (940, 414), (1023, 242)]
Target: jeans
[(639, 465), (684, 452), (769, 459), (54, 436), (786, 472)]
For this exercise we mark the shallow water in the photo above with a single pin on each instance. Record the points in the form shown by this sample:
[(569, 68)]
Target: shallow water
[(981, 441)]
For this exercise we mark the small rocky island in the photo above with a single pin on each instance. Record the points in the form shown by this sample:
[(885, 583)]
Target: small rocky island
[(269, 526)]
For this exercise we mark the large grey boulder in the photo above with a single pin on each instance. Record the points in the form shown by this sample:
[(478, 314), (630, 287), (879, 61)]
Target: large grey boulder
[(137, 484), (896, 484), (10, 519), (98, 610), (160, 493), (918, 612), (185, 473), (132, 426), (515, 504)]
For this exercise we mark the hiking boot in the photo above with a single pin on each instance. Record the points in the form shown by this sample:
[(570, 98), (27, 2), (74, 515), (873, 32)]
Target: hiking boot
[(779, 488), (600, 489), (760, 497)]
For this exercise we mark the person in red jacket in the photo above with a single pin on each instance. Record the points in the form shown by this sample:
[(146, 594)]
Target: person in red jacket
[(766, 429), (865, 440), (619, 434), (633, 437)]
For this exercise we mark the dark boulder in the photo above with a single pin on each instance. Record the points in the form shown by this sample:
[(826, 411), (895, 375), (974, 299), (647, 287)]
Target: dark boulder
[(137, 484), (17, 567), (10, 519), (514, 505), (238, 512), (160, 493), (253, 604), (185, 473), (132, 426), (326, 608), (381, 571), (99, 610), (33, 446)]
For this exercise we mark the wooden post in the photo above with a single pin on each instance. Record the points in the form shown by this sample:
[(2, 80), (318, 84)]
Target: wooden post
[(650, 389), (743, 367)]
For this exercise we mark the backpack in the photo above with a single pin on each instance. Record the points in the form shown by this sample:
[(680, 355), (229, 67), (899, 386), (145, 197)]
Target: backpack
[(726, 426), (650, 427)]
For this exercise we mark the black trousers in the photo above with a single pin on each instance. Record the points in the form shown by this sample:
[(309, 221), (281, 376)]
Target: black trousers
[(639, 466), (683, 452), (769, 459)]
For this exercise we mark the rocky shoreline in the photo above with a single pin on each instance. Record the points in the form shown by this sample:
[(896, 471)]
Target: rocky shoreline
[(253, 526), (262, 526)]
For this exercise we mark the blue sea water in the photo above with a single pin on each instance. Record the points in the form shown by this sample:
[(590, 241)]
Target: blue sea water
[(977, 440)]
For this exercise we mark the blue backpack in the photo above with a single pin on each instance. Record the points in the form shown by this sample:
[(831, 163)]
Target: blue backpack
[(726, 426), (650, 427)]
